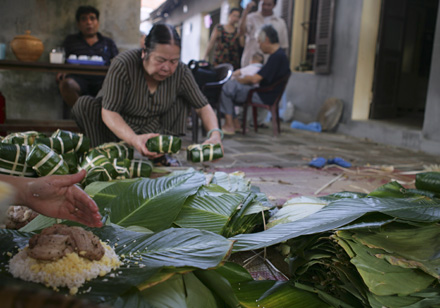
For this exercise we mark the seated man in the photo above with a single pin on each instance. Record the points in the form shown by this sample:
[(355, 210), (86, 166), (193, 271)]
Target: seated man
[(235, 92), (88, 42)]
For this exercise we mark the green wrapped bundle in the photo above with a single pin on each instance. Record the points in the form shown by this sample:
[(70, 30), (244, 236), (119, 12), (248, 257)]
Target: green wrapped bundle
[(96, 174), (140, 168), (13, 160), (429, 181), (60, 145), (122, 166), (164, 144), (45, 161), (23, 138), (198, 153), (116, 150), (94, 159), (81, 143), (71, 160)]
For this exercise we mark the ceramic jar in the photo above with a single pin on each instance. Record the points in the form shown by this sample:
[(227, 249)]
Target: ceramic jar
[(27, 47)]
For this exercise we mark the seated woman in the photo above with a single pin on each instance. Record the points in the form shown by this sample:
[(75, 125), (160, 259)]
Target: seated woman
[(146, 92)]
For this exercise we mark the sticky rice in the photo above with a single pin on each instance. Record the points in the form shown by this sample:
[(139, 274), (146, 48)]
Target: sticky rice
[(71, 271)]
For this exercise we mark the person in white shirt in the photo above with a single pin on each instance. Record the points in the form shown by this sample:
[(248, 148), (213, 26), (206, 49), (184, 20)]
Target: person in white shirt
[(251, 23)]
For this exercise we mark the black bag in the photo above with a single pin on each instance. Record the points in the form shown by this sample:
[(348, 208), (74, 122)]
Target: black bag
[(203, 72)]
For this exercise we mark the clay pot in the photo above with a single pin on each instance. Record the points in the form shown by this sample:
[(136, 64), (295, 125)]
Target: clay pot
[(27, 47)]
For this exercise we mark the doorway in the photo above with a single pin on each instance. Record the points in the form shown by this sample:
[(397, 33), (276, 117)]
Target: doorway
[(403, 61)]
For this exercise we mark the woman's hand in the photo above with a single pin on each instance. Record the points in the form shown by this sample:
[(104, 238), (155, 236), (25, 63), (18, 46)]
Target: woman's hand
[(215, 139), (139, 143), (57, 196)]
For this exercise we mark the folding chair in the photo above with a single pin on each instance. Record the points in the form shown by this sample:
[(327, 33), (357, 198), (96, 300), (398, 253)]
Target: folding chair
[(281, 84), (212, 92)]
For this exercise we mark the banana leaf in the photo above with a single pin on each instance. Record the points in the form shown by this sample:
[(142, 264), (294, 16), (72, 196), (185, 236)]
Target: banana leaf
[(295, 209), (116, 150), (60, 145), (81, 143), (45, 161), (22, 138), (143, 254), (210, 209), (343, 195), (250, 215), (140, 168), (182, 290), (318, 264), (104, 192), (429, 181), (149, 203), (198, 153), (232, 182), (339, 213), (410, 246), (164, 144), (381, 277), (13, 160)]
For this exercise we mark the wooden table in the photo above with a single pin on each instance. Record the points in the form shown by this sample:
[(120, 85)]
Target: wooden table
[(15, 125), (53, 68)]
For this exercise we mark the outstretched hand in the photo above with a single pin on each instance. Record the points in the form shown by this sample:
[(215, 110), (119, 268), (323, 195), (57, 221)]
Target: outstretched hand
[(57, 196)]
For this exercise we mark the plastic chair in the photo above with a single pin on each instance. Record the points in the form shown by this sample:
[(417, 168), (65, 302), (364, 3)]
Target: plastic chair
[(212, 92), (281, 83)]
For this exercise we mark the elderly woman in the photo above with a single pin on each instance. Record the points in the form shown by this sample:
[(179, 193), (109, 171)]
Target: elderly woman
[(146, 92)]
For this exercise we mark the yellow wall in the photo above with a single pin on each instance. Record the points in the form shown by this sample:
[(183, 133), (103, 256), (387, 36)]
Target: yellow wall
[(366, 56), (299, 33)]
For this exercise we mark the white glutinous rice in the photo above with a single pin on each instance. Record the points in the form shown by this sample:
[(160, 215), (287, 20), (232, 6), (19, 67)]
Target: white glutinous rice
[(71, 271)]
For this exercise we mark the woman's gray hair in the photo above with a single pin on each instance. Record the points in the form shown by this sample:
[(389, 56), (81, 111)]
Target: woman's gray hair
[(269, 32)]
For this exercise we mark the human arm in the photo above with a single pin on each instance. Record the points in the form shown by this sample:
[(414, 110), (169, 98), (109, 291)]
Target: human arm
[(211, 44), (123, 131), (250, 79), (242, 22), (210, 122), (56, 196)]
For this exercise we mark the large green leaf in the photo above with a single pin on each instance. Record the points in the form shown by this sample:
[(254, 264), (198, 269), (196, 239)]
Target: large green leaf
[(381, 277), (339, 213), (429, 181), (153, 203), (183, 291), (210, 209), (409, 246), (296, 209), (143, 256)]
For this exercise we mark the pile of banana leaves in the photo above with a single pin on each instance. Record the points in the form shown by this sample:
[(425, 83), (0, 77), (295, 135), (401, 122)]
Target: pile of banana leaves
[(176, 233)]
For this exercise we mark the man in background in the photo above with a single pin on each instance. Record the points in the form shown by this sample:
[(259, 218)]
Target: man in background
[(251, 23), (87, 42)]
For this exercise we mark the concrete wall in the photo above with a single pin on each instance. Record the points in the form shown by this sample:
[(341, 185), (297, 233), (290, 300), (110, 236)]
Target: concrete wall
[(308, 91), (431, 125), (35, 95)]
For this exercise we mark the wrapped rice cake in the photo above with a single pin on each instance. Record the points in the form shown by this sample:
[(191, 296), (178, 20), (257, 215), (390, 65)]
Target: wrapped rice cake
[(62, 256), (140, 168), (198, 153), (23, 138), (13, 160), (118, 150), (81, 144), (164, 144), (45, 161), (60, 145)]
